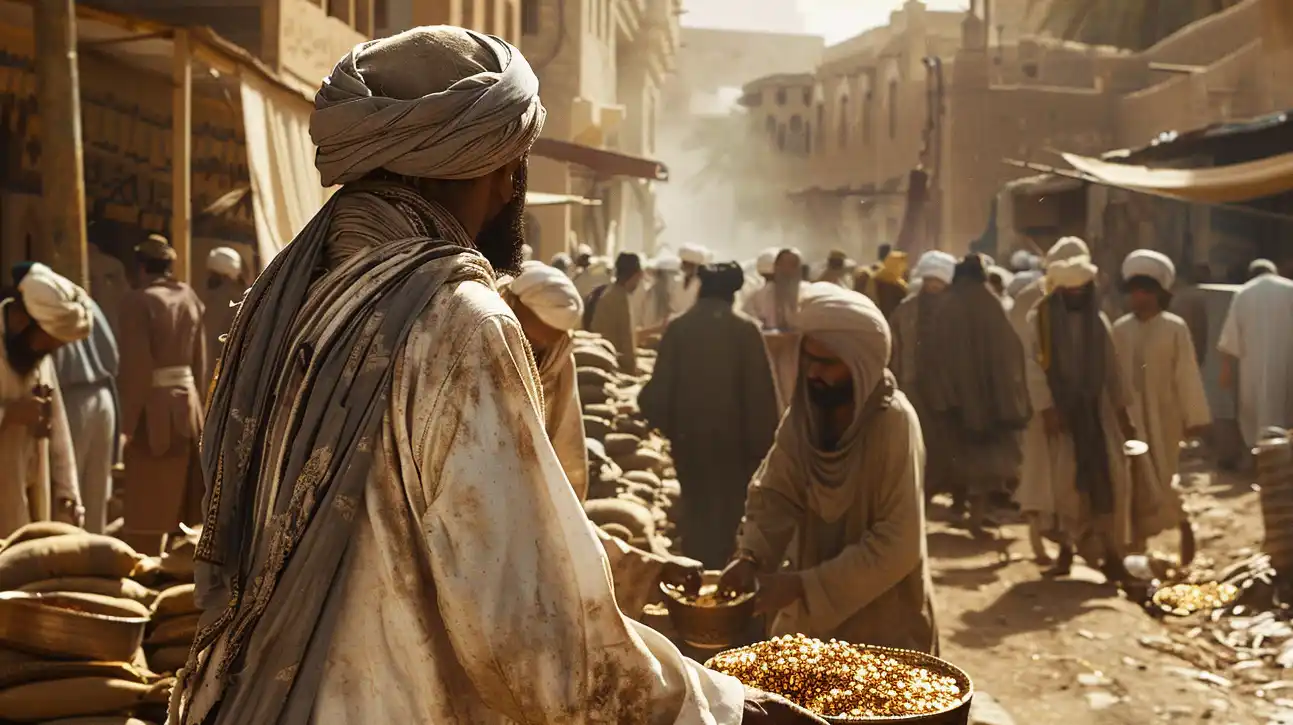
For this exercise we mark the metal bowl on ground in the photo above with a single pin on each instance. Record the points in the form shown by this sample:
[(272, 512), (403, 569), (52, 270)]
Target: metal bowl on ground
[(69, 626), (958, 714), (705, 625)]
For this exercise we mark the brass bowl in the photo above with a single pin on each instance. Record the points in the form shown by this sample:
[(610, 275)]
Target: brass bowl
[(69, 626), (709, 627)]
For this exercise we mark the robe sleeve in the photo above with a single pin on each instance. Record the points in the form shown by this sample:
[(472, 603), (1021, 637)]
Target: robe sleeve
[(772, 508), (567, 429), (522, 582), (1231, 341), (1189, 381), (890, 550), (759, 412), (635, 573), (63, 483), (1039, 388), (656, 396), (137, 363)]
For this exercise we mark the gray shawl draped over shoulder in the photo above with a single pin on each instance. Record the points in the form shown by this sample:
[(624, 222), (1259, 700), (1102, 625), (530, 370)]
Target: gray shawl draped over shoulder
[(290, 439)]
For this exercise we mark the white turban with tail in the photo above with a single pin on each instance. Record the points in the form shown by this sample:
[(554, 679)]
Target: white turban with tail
[(1071, 273), (1067, 248), (433, 102), (692, 254), (936, 264), (57, 305), (666, 263), (549, 294), (225, 262), (767, 261), (1148, 263)]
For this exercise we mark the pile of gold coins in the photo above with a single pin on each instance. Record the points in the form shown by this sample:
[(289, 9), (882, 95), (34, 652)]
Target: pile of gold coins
[(836, 679), (709, 596), (1186, 599)]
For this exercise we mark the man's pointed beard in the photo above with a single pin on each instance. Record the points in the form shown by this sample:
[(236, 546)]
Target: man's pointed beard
[(18, 350), (830, 397), (501, 238)]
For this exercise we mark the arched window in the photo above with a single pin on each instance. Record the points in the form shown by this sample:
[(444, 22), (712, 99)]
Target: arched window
[(821, 120), (781, 138), (843, 131), (893, 109), (797, 133), (781, 96), (868, 114), (808, 138), (770, 125), (808, 96)]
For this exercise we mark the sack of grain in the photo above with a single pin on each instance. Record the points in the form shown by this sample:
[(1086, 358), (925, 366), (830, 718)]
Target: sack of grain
[(74, 697), (41, 530), (620, 444), (646, 477), (592, 357), (595, 376), (636, 518), (619, 532), (599, 410), (594, 394), (46, 670), (599, 488), (99, 720), (166, 660), (175, 602), (643, 459), (631, 425), (596, 428), (174, 631), (71, 555), (119, 588)]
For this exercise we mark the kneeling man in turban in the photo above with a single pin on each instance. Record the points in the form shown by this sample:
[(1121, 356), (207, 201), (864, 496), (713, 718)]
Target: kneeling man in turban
[(390, 536), (38, 478), (844, 481)]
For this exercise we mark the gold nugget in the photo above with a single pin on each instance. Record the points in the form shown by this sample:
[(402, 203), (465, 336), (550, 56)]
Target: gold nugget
[(836, 679), (1186, 599)]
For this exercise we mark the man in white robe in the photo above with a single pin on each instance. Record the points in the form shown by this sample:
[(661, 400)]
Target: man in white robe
[(1257, 343), (692, 257), (413, 551), (844, 481), (38, 478), (1168, 402)]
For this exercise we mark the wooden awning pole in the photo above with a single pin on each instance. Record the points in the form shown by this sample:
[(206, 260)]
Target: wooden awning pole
[(62, 171), (182, 157)]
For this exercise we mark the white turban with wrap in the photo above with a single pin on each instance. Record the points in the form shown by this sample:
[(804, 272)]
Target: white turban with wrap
[(1071, 273), (225, 262), (767, 261), (549, 294), (433, 102), (1067, 248), (937, 264), (58, 306), (1148, 263), (693, 254)]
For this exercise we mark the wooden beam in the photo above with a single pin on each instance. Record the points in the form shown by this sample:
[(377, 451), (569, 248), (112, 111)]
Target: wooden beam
[(62, 171), (365, 18), (182, 156), (343, 10)]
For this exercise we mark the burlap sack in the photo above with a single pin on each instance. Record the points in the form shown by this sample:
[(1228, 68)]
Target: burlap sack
[(47, 670), (118, 588), (174, 631), (175, 602), (166, 660), (620, 444), (41, 530), (73, 555), (75, 697)]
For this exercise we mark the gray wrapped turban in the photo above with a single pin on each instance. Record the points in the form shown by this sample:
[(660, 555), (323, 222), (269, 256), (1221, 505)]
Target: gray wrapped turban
[(434, 102)]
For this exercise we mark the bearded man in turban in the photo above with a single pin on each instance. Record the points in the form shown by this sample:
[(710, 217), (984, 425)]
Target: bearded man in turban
[(376, 450), (1077, 388), (712, 395), (38, 477), (844, 480), (224, 289)]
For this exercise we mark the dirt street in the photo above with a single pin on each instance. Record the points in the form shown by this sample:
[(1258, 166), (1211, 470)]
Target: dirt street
[(1073, 651)]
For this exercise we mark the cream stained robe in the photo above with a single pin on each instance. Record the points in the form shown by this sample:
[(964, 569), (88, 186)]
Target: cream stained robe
[(761, 305), (634, 572), (33, 473), (485, 597), (1257, 332), (1167, 396)]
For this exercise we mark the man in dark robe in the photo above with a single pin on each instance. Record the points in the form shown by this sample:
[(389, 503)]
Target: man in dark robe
[(712, 395)]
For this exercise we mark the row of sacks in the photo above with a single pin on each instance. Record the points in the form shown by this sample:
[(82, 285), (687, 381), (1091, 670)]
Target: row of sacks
[(632, 484), (91, 631)]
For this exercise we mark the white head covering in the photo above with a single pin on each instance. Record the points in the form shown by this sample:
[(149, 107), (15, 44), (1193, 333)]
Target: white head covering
[(1007, 277), (549, 294), (937, 264), (693, 254), (56, 305), (1071, 273), (767, 261), (225, 262), (1023, 260), (1067, 248), (666, 263), (1149, 263), (527, 252), (435, 102), (583, 250)]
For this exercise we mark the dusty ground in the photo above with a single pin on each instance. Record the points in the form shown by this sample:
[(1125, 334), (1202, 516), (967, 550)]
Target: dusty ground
[(1073, 651)]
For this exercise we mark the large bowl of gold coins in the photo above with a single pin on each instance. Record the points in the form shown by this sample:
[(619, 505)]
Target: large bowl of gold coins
[(846, 683), (1182, 600), (709, 618)]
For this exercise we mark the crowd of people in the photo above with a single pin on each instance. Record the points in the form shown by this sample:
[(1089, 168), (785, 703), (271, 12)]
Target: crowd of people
[(389, 466)]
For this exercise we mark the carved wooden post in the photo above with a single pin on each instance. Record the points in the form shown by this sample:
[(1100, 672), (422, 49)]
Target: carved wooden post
[(62, 171), (182, 155)]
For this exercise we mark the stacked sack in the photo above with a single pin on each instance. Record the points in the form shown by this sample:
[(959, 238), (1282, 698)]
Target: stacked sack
[(72, 622), (632, 484), (173, 613)]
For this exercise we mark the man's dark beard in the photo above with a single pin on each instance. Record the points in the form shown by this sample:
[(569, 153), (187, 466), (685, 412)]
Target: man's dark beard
[(830, 397), (1080, 299), (18, 349), (501, 238)]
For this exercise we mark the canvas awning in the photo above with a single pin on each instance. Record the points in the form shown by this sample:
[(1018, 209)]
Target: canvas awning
[(602, 162), (1233, 183), (539, 198)]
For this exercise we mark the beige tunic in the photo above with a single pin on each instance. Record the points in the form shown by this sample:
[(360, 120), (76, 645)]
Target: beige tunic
[(108, 284), (866, 576), (34, 473), (479, 593), (161, 331), (220, 305), (1167, 398), (613, 320)]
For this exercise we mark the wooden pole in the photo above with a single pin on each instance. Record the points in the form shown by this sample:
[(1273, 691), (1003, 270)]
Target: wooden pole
[(181, 156), (62, 171), (1277, 42)]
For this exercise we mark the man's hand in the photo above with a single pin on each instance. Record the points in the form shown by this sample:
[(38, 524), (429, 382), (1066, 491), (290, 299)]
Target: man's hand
[(739, 577), (1052, 422), (682, 573), (778, 591), (30, 413), (763, 708)]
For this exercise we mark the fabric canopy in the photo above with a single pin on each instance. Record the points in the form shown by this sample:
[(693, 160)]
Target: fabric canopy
[(600, 161), (285, 186), (1216, 185)]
